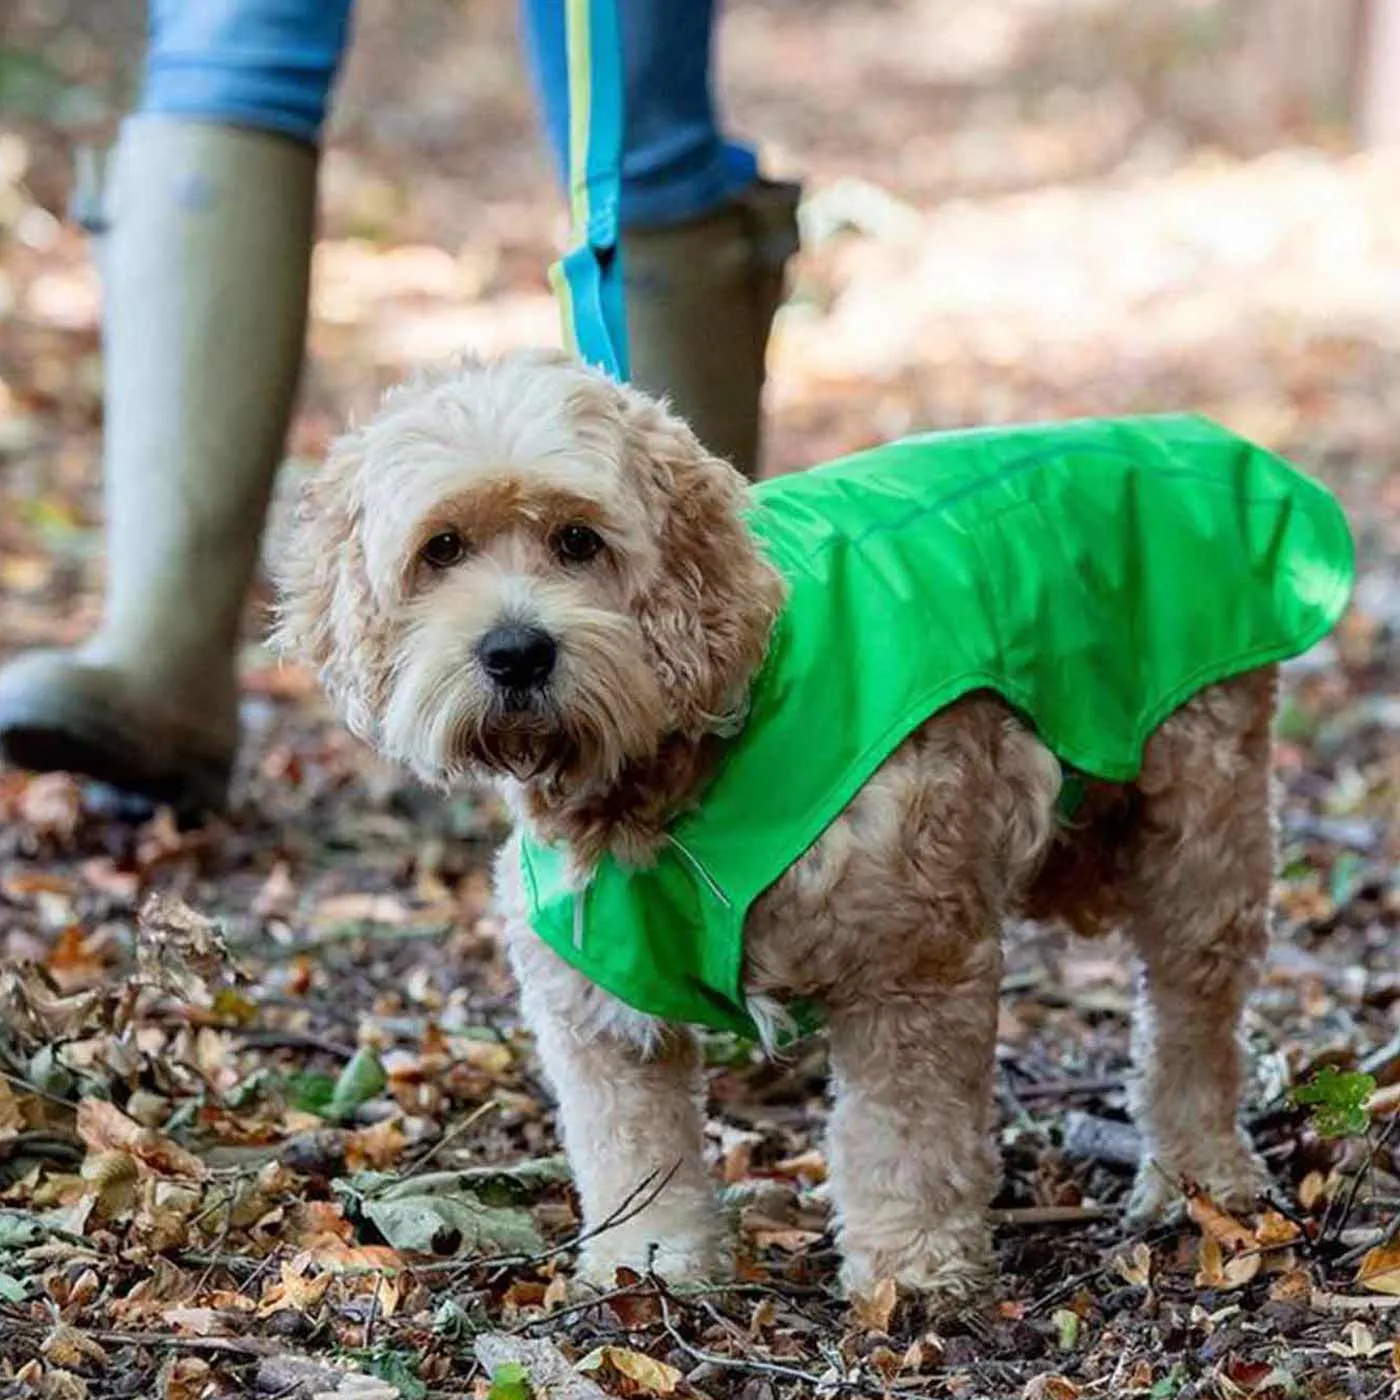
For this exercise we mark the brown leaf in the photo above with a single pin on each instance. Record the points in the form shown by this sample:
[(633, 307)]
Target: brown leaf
[(1291, 1287), (183, 1378), (1217, 1271), (64, 1385), (297, 1289), (181, 951), (375, 1147), (1272, 1231), (1379, 1270), (52, 804), (30, 1003), (112, 1177), (1135, 1267), (11, 1118), (646, 1374), (1312, 1189), (808, 1167), (196, 1322), (1050, 1387), (75, 962), (104, 1127), (874, 1309), (1216, 1222), (67, 1347), (278, 897)]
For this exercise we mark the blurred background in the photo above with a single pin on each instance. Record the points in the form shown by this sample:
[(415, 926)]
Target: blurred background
[(1037, 208)]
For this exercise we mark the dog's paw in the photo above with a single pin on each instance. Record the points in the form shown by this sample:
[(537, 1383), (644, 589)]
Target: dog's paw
[(1234, 1178), (945, 1268), (679, 1258)]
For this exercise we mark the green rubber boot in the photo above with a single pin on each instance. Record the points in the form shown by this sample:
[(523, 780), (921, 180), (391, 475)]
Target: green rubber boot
[(205, 270), (700, 302)]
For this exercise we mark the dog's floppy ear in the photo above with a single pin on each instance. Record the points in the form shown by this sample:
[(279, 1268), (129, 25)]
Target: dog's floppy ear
[(708, 612), (326, 611)]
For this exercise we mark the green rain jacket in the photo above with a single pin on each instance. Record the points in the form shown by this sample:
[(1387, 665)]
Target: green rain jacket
[(1094, 574)]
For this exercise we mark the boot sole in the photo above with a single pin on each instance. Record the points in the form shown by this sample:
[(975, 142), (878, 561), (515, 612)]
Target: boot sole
[(199, 789)]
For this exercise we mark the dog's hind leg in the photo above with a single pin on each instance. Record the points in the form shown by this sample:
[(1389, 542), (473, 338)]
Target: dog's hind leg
[(1199, 922)]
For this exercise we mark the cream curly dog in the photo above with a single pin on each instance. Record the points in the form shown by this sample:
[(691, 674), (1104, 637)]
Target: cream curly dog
[(537, 496)]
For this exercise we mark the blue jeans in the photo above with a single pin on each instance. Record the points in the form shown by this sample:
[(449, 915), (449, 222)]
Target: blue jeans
[(271, 64)]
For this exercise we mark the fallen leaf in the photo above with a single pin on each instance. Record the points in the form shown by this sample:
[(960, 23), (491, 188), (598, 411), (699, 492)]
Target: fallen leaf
[(297, 1288), (1312, 1189), (1050, 1387), (75, 961), (183, 1378), (1135, 1267), (807, 1167), (375, 1147), (196, 1322), (52, 804), (653, 1377), (11, 1118), (509, 1382), (67, 1347), (360, 1081), (874, 1309), (103, 1127), (1379, 1270), (114, 1178), (1217, 1271), (1067, 1324), (30, 1003), (182, 951), (1272, 1231), (1216, 1223), (1291, 1287), (1360, 1342), (441, 1214)]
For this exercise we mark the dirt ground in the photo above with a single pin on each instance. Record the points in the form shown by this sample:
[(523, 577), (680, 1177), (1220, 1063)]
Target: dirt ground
[(282, 1135)]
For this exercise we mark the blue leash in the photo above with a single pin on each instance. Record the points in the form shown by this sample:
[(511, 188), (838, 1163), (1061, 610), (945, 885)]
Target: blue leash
[(588, 279)]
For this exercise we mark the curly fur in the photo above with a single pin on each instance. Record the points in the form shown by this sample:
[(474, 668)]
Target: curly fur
[(891, 921)]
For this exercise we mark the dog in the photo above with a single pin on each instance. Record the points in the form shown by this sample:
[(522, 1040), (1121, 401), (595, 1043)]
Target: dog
[(525, 570)]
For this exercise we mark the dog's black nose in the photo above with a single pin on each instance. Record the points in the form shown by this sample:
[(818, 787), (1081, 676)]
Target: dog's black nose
[(517, 658)]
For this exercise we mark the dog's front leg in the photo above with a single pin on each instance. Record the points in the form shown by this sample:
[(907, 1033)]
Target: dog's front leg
[(629, 1093), (912, 1161)]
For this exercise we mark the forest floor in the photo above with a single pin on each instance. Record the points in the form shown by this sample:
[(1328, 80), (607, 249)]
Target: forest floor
[(280, 1133)]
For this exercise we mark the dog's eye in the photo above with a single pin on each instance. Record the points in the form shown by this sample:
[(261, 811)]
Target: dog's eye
[(577, 544), (444, 550)]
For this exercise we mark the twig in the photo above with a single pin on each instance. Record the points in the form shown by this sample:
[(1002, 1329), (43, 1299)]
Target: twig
[(455, 1131), (1379, 1239), (373, 1311), (239, 1346), (1156, 1235), (1345, 1303), (29, 1088), (267, 951), (632, 1290), (1026, 1216), (270, 1039), (1358, 1177), (633, 1204), (770, 1368)]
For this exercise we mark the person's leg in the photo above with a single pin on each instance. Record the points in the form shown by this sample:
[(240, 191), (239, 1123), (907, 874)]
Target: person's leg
[(705, 238), (205, 261)]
